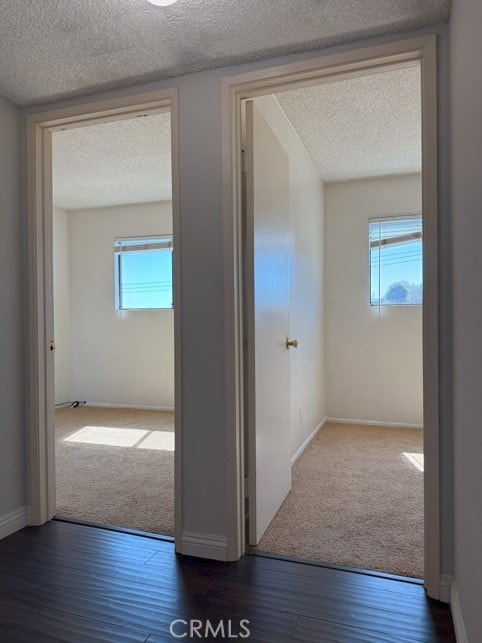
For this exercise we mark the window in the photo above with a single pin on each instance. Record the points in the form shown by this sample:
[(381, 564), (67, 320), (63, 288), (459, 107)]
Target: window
[(396, 261), (143, 272)]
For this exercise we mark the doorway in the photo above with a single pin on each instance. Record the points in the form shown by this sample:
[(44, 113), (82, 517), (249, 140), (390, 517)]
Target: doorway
[(296, 76), (333, 212), (113, 323), (114, 253)]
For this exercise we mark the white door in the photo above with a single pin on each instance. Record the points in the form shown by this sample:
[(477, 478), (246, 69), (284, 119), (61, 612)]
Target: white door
[(267, 273)]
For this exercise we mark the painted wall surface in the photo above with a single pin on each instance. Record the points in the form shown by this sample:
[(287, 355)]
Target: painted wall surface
[(62, 302), (466, 104), (13, 452), (117, 356), (207, 414), (374, 363), (306, 274)]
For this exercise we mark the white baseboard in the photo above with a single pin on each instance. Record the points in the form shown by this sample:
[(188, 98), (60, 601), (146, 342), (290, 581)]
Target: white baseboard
[(445, 583), (204, 545), (307, 441), (397, 425), (107, 405), (459, 626), (13, 521)]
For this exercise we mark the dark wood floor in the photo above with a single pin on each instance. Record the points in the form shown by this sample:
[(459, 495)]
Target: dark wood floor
[(68, 582)]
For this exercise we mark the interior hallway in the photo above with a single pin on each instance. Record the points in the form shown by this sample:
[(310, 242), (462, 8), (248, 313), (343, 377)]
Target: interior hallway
[(77, 583)]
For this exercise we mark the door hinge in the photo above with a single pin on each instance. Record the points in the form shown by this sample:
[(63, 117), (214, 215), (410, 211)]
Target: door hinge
[(246, 161), (52, 347)]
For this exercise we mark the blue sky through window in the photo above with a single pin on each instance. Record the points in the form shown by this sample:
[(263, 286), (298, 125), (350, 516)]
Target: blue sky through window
[(145, 275)]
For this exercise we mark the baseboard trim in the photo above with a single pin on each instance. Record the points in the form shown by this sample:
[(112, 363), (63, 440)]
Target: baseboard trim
[(308, 440), (395, 425), (458, 619), (141, 407), (445, 584), (13, 521), (204, 545)]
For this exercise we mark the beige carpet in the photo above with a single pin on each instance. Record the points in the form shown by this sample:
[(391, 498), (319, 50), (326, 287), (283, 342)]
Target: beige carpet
[(116, 467), (356, 500)]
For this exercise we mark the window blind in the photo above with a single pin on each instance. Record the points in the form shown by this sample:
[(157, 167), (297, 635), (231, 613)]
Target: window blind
[(146, 244)]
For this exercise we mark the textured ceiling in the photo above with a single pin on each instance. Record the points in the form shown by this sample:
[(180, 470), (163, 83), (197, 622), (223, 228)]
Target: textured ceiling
[(52, 49), (113, 163), (354, 128), (360, 127)]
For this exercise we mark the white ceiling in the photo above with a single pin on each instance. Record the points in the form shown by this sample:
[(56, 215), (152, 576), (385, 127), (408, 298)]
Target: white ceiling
[(353, 128), (360, 127), (52, 49), (114, 163)]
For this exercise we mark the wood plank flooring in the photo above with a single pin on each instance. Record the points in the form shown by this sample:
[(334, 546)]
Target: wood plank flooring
[(75, 583)]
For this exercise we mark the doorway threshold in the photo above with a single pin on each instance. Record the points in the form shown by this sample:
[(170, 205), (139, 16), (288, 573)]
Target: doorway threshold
[(121, 530), (343, 568)]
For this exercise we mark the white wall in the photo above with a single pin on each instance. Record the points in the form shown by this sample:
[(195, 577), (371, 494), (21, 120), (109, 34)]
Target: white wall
[(306, 287), (62, 302), (466, 104), (373, 355), (117, 356), (13, 469)]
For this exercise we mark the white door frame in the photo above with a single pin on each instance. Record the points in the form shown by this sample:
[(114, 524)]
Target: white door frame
[(301, 74), (40, 296)]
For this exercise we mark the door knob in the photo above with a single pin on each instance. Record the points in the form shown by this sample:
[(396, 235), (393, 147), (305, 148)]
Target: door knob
[(291, 343)]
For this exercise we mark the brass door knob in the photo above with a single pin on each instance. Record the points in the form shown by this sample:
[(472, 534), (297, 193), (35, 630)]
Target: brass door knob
[(291, 343)]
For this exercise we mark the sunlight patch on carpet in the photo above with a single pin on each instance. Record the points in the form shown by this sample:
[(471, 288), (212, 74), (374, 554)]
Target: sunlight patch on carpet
[(416, 459), (123, 437), (158, 440)]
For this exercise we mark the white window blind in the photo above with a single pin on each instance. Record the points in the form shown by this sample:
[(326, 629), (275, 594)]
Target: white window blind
[(396, 258)]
